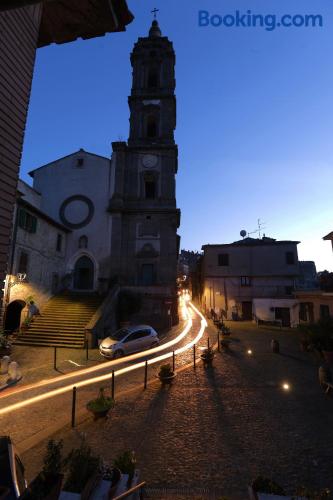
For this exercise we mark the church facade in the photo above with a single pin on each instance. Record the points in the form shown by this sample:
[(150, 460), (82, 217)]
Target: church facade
[(120, 214)]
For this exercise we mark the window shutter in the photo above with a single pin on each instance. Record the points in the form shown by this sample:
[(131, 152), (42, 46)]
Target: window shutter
[(22, 218), (33, 224)]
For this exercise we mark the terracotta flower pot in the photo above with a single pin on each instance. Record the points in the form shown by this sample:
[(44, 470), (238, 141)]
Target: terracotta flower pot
[(167, 379)]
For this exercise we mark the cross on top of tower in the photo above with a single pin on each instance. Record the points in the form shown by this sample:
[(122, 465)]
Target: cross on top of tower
[(154, 12)]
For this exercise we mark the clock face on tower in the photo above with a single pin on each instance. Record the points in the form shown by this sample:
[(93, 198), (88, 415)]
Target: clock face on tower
[(149, 161)]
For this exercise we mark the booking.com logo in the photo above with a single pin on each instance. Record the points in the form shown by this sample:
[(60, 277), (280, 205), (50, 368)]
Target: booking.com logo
[(269, 21)]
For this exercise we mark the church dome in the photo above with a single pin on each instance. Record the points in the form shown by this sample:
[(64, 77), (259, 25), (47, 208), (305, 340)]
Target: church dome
[(155, 30)]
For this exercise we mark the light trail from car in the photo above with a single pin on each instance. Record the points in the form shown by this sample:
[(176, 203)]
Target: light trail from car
[(121, 371), (185, 312)]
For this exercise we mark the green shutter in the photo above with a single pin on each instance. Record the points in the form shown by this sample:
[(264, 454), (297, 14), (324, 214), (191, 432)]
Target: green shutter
[(22, 218), (33, 224)]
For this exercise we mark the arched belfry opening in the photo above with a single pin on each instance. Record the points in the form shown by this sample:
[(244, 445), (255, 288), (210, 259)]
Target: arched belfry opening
[(153, 80), (152, 127), (84, 273)]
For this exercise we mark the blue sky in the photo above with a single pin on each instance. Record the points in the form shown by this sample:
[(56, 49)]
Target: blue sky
[(254, 117)]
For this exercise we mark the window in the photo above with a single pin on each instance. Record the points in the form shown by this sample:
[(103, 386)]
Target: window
[(23, 263), (290, 258), (80, 162), (59, 242), (27, 221), (83, 242), (152, 127), (147, 274), (324, 311), (150, 186), (289, 290), (303, 311), (223, 259), (246, 281)]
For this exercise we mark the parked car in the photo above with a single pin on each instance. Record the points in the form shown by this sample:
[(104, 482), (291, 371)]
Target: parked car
[(12, 480), (129, 340)]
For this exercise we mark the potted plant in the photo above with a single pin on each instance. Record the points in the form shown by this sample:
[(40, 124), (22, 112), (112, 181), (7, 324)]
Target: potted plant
[(83, 471), (100, 406), (320, 336), (264, 488), (5, 345), (225, 330), (207, 356), (113, 476), (166, 375), (47, 484), (225, 344), (126, 463)]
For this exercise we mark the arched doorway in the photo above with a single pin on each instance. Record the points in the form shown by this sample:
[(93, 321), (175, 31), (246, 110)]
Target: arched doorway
[(13, 315), (84, 274)]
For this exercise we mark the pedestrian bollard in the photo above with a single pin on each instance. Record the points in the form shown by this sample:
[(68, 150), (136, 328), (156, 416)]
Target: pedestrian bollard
[(173, 361), (112, 385), (275, 346), (4, 364), (73, 407), (208, 342), (194, 356), (14, 372), (55, 359), (218, 342), (146, 374), (87, 350)]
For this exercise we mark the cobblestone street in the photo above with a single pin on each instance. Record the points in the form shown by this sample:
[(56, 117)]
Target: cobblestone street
[(220, 427)]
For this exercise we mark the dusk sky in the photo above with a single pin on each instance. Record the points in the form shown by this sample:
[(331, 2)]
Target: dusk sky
[(254, 117)]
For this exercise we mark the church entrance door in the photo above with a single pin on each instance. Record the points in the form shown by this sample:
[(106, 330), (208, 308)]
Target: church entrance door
[(84, 274)]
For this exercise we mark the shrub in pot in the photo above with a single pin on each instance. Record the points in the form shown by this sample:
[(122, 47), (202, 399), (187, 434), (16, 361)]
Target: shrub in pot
[(101, 405), (208, 355), (83, 470), (166, 375), (47, 484), (126, 463)]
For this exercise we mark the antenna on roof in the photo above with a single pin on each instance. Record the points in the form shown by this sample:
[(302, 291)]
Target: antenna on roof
[(261, 226), (243, 233)]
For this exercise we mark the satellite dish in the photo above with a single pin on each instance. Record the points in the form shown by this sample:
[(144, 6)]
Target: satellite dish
[(243, 233)]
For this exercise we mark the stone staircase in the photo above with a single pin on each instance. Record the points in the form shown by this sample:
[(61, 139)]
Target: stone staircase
[(62, 321)]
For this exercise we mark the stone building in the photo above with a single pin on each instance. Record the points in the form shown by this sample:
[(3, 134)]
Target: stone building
[(26, 25), (236, 275), (116, 218), (39, 256)]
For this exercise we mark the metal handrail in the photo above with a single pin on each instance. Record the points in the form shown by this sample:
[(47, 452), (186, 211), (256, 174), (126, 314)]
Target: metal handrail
[(130, 491)]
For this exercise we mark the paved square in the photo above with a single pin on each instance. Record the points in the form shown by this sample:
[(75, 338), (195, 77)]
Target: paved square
[(221, 427)]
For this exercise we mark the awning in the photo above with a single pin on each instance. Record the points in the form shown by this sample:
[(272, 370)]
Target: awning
[(66, 20)]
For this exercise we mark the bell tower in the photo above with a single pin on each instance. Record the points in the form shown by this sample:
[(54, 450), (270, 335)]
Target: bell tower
[(152, 102), (145, 217)]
